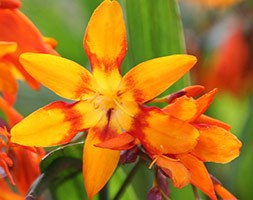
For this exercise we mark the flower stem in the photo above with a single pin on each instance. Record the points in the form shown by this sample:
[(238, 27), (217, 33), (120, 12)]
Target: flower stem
[(128, 180)]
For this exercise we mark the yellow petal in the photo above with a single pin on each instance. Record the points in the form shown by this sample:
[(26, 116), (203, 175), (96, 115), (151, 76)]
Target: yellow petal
[(56, 123), (175, 170), (65, 77), (149, 79), (99, 164), (162, 134), (105, 38), (216, 145), (199, 174)]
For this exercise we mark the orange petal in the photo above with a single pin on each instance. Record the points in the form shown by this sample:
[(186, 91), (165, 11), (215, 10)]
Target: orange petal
[(179, 175), (8, 83), (193, 90), (65, 77), (15, 27), (199, 174), (13, 116), (56, 123), (204, 102), (158, 74), (25, 169), (183, 108), (162, 134), (51, 42), (105, 39), (204, 119), (98, 163), (7, 48), (223, 192), (123, 141), (6, 192), (216, 145), (10, 4), (220, 190)]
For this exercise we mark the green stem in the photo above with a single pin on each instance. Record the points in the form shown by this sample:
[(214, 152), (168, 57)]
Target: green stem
[(128, 180)]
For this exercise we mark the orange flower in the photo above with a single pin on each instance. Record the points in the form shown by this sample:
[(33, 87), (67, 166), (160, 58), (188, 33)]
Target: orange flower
[(214, 3), (105, 102), (215, 143), (15, 28), (20, 164), (229, 70)]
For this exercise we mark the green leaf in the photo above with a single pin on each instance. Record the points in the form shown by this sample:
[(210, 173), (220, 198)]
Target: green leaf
[(59, 166), (74, 151), (154, 30)]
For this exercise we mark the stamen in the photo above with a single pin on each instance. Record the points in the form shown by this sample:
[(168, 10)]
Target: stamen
[(153, 162), (172, 159), (157, 156), (122, 108)]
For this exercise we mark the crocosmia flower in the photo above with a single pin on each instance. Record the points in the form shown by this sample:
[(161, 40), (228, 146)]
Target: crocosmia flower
[(104, 102), (214, 144)]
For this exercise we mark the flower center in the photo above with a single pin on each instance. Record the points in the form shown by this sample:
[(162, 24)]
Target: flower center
[(106, 102)]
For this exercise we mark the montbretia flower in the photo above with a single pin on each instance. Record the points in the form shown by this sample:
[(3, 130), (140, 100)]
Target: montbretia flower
[(214, 143), (105, 102), (21, 35)]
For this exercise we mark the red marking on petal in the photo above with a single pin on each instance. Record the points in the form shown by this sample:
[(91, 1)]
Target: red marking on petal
[(9, 4)]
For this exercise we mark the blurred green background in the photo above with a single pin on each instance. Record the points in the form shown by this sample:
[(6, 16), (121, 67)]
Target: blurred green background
[(154, 29)]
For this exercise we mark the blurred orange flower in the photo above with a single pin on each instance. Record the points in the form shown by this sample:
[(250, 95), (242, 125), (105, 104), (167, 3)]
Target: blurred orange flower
[(10, 4), (214, 3), (20, 164), (15, 28), (229, 70)]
